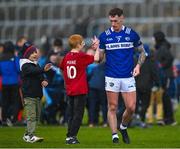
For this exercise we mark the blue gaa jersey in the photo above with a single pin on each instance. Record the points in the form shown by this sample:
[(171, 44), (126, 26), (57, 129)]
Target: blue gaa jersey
[(119, 48)]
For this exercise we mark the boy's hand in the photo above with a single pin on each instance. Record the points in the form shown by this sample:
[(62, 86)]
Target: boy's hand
[(47, 67), (44, 83), (95, 43)]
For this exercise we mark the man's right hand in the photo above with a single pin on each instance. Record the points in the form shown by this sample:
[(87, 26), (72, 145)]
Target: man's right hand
[(95, 43)]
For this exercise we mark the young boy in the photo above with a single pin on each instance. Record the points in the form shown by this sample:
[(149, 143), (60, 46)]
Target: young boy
[(32, 83), (74, 66)]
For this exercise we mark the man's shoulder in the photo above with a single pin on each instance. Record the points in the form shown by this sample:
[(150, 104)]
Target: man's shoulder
[(129, 30), (107, 32)]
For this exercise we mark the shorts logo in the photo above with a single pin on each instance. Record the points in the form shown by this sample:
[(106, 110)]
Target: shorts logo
[(111, 84), (130, 86)]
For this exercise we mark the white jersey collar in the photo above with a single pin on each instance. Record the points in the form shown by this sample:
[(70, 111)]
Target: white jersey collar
[(123, 27)]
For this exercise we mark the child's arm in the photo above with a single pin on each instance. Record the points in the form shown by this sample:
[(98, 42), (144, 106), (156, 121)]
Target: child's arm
[(29, 69), (47, 67)]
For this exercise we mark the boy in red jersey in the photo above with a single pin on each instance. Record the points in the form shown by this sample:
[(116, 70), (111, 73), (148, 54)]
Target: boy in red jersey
[(74, 66)]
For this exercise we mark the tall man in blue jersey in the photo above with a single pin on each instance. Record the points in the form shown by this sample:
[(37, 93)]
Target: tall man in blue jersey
[(118, 43)]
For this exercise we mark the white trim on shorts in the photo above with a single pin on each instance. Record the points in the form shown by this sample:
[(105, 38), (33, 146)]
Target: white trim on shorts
[(120, 84)]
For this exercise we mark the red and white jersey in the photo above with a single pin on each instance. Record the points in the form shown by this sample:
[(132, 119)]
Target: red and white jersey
[(74, 66)]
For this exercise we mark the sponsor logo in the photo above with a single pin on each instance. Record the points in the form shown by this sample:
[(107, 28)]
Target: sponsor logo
[(123, 45), (109, 39)]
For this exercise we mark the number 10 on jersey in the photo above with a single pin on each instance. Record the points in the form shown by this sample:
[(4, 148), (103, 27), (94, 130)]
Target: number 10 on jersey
[(71, 72)]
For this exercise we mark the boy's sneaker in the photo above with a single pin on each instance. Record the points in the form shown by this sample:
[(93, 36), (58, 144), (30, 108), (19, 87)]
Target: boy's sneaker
[(32, 138), (72, 140), (125, 136), (26, 138)]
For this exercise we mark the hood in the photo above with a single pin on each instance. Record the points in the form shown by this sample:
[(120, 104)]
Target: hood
[(25, 61)]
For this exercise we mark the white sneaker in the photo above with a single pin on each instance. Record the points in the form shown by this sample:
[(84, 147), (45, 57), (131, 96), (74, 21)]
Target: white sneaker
[(35, 139), (26, 138), (32, 139)]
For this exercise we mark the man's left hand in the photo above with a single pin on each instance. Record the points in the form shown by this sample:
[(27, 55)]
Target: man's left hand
[(136, 70)]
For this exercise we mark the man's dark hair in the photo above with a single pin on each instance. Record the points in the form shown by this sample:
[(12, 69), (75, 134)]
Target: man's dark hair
[(159, 36), (116, 11)]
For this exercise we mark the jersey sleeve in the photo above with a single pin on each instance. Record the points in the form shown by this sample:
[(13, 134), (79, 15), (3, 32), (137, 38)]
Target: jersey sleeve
[(87, 59), (137, 42), (101, 42)]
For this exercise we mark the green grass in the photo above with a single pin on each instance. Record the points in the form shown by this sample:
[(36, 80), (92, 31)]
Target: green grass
[(97, 137)]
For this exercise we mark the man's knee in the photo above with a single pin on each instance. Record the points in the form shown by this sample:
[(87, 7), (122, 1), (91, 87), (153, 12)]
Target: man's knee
[(112, 108), (131, 109)]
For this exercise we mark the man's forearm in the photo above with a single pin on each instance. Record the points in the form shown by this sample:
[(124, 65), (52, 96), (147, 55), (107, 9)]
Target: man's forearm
[(142, 55), (97, 55), (101, 55)]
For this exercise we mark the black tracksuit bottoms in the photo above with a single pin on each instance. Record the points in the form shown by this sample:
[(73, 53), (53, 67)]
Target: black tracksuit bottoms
[(76, 105), (10, 102)]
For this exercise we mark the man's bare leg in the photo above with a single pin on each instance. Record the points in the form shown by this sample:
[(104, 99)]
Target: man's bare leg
[(130, 103), (112, 98)]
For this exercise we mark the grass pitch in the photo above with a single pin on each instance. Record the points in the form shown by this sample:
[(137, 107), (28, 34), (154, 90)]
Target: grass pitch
[(97, 137)]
